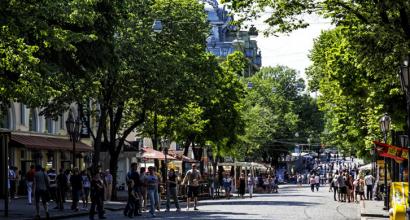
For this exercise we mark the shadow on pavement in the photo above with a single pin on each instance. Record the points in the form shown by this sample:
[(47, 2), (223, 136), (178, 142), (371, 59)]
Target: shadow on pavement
[(203, 215)]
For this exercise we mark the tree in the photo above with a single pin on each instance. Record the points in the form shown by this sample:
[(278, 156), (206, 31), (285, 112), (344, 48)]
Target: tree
[(38, 40), (352, 95), (275, 108)]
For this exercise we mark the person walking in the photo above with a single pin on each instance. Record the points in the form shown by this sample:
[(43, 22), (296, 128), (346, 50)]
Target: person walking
[(143, 189), (151, 181), (192, 178), (62, 185), (172, 187), (132, 197), (341, 181), (97, 198), (227, 183), (251, 183), (41, 186), (76, 188), (369, 181), (86, 187), (135, 177), (335, 186), (13, 182), (52, 176), (312, 183), (211, 184), (108, 185), (299, 180), (29, 181), (242, 185), (317, 182)]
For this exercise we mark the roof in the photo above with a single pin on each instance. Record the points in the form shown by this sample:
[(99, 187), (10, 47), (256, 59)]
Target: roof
[(47, 143)]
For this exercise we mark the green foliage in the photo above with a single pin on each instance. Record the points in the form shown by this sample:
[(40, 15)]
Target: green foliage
[(353, 94), (275, 109)]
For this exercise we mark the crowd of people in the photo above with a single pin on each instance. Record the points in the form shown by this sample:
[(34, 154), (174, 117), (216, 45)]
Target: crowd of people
[(344, 179), (44, 186)]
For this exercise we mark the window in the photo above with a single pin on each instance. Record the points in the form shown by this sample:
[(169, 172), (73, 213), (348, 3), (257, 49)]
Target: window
[(32, 122), (49, 125), (22, 114), (225, 52), (62, 122), (5, 120)]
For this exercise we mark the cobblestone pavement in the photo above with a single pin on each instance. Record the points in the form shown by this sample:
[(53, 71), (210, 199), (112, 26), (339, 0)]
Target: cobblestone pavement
[(290, 203)]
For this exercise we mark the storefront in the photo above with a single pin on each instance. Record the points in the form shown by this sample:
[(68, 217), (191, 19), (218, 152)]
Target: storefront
[(48, 151)]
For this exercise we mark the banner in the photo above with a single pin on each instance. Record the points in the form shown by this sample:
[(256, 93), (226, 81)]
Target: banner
[(390, 151)]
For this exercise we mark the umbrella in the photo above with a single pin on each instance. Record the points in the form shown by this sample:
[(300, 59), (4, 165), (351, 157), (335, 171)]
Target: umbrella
[(180, 156), (150, 153)]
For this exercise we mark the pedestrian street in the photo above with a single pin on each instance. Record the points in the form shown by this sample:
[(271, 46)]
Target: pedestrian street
[(292, 202)]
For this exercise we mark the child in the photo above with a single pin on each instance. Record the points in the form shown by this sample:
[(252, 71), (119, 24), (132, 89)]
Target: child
[(132, 198)]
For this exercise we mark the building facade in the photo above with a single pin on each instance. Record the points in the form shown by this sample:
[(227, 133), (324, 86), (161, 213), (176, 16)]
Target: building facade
[(226, 38), (39, 140)]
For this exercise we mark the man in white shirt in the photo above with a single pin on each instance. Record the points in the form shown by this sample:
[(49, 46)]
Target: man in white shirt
[(369, 181)]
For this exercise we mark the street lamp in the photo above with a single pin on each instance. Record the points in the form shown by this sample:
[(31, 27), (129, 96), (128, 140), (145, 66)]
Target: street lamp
[(404, 80), (73, 129), (165, 146), (385, 122)]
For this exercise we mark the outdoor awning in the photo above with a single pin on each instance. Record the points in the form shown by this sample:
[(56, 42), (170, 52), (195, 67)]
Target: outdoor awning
[(47, 143), (180, 156), (150, 153)]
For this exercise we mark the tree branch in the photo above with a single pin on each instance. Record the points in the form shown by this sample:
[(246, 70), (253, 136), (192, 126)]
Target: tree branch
[(141, 119), (355, 12)]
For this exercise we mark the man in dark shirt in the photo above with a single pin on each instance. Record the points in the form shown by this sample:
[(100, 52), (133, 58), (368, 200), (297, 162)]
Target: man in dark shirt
[(135, 176), (76, 186), (62, 185), (172, 187)]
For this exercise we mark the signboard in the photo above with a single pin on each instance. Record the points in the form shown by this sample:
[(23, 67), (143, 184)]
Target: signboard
[(85, 123), (380, 167)]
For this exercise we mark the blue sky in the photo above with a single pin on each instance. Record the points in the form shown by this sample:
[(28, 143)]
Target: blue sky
[(291, 50)]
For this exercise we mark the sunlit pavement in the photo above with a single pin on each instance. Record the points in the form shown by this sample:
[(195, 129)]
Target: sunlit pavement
[(290, 203)]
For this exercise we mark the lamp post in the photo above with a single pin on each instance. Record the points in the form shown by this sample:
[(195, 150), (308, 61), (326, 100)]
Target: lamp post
[(165, 146), (404, 80), (385, 122), (73, 129)]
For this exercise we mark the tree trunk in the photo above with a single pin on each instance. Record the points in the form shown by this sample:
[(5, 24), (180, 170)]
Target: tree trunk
[(113, 171), (155, 138), (97, 142), (186, 149)]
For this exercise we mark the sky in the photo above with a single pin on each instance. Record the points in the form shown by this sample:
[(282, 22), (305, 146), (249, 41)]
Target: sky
[(291, 50)]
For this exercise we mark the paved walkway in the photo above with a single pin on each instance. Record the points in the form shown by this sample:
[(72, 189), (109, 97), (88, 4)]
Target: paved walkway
[(291, 202), (372, 210)]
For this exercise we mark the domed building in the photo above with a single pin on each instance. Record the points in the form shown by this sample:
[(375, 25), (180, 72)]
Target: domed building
[(226, 38)]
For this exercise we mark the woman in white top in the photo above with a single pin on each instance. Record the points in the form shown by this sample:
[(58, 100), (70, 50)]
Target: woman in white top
[(251, 183)]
